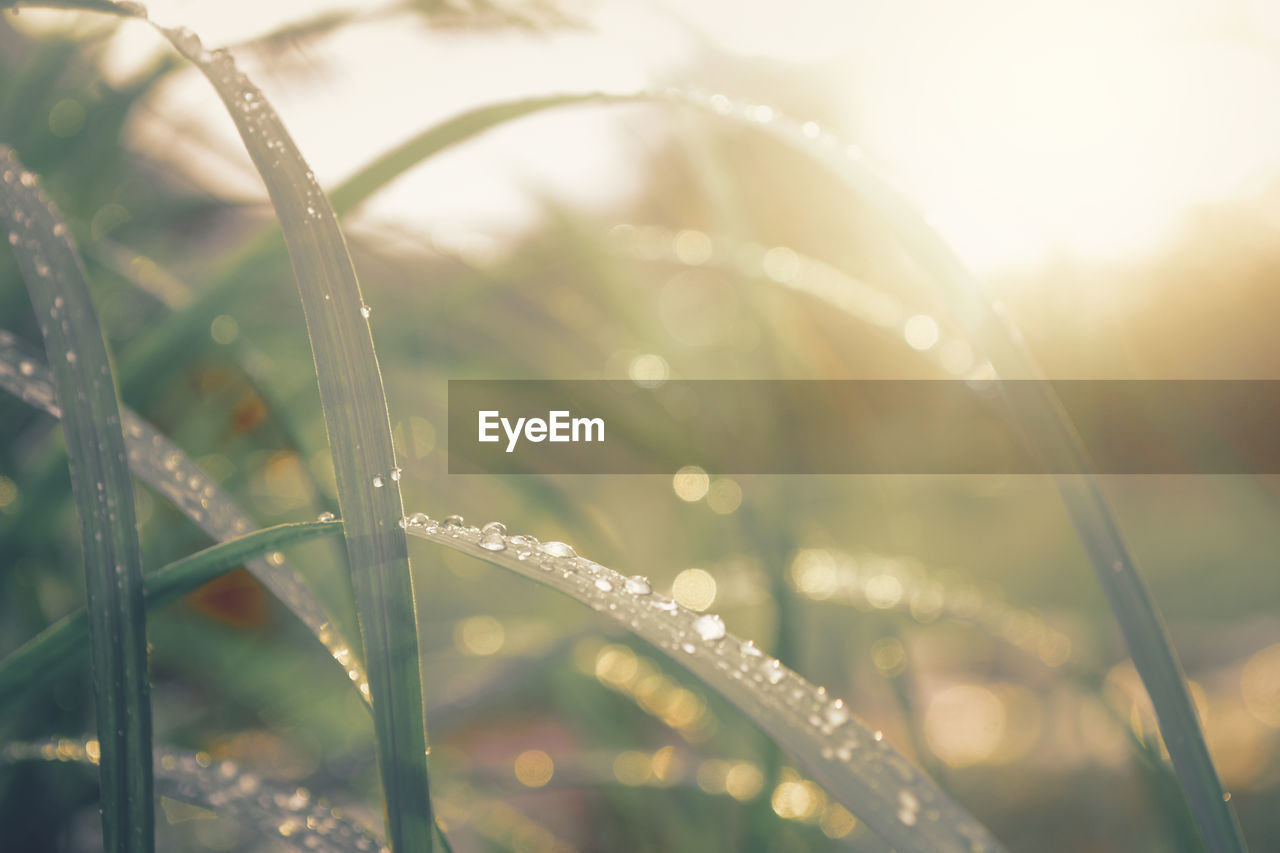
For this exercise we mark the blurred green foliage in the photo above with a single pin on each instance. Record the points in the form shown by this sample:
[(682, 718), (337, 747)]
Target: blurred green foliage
[(1075, 765)]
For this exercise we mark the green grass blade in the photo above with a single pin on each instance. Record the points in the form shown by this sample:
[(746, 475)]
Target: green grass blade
[(103, 489), (281, 815), (854, 764), (1050, 431), (359, 429), (162, 465), (416, 150), (49, 654)]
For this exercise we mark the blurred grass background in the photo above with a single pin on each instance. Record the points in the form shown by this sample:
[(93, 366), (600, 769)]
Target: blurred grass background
[(959, 615)]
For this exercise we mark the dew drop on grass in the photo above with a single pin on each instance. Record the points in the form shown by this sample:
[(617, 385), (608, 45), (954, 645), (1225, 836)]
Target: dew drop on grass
[(709, 627), (493, 541), (558, 549), (604, 585), (71, 356), (452, 521), (327, 516), (395, 475), (495, 527), (773, 672), (638, 586), (837, 714), (189, 43), (365, 311), (908, 807), (377, 481)]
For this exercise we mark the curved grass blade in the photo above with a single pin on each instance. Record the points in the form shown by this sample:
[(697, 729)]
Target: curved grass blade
[(86, 393), (853, 763), (359, 429), (288, 816), (48, 655), (162, 465), (1051, 433)]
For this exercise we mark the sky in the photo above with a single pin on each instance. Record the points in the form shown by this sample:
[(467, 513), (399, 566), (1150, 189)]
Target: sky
[(1027, 131)]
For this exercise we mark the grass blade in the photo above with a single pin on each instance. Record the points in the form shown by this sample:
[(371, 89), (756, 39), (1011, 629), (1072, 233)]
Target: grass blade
[(48, 654), (359, 429), (162, 465), (853, 763), (279, 814), (103, 489), (1050, 431)]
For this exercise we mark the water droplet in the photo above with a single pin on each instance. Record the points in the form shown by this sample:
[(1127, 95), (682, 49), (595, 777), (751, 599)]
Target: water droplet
[(452, 521), (26, 368), (604, 585), (418, 519), (879, 735), (187, 42), (558, 549), (365, 311), (71, 356), (638, 585), (908, 807), (773, 672), (520, 540), (837, 714), (377, 481), (327, 516), (495, 527), (688, 648), (493, 541), (750, 650), (395, 475), (709, 627)]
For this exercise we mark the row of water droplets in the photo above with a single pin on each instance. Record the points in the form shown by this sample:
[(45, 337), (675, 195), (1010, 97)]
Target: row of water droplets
[(801, 713), (289, 815), (293, 185), (41, 241), (163, 466)]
